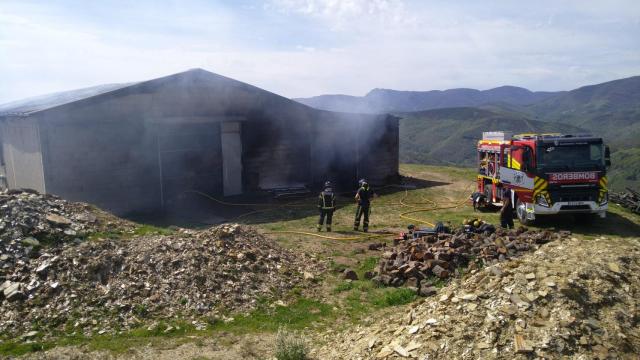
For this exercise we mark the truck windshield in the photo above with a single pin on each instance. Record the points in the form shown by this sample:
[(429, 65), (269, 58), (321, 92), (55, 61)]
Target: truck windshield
[(575, 156)]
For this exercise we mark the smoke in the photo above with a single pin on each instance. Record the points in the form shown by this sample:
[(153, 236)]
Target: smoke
[(141, 147)]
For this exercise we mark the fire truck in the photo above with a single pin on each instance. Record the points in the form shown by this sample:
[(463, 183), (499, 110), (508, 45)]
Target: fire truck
[(544, 174)]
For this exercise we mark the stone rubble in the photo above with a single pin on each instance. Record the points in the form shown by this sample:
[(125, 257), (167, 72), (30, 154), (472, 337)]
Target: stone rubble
[(629, 199), (29, 220), (53, 280), (417, 263), (571, 298)]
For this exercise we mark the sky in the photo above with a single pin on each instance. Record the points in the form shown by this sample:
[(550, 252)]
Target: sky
[(301, 48)]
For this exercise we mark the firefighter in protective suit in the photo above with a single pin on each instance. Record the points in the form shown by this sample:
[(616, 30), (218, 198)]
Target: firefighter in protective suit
[(326, 205), (363, 198)]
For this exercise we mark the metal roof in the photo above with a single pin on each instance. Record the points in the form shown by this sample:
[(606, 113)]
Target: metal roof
[(38, 103)]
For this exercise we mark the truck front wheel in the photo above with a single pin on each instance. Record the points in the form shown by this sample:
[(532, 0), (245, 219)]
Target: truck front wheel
[(521, 212)]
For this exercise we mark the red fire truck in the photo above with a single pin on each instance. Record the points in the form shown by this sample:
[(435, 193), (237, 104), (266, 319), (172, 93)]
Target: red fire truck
[(544, 174)]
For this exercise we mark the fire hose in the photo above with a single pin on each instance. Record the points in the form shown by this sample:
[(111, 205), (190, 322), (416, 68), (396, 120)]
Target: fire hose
[(436, 207), (402, 202)]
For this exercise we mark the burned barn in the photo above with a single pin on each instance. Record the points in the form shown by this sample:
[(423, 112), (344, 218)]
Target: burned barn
[(137, 147)]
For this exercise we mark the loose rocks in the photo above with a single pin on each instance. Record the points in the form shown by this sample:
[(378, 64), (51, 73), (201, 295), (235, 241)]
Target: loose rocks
[(438, 256), (52, 280), (29, 219), (577, 306)]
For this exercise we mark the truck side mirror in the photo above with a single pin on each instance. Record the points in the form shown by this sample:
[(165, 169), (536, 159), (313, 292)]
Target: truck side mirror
[(607, 156)]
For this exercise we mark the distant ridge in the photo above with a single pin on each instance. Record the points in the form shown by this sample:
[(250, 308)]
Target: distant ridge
[(387, 100)]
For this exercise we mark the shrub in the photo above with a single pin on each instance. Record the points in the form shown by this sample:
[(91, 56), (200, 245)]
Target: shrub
[(289, 346)]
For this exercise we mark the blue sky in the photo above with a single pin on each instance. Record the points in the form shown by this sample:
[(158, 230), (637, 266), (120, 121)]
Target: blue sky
[(300, 48)]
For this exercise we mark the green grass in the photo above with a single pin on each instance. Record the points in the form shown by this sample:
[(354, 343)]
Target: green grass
[(140, 230), (361, 285), (300, 314), (393, 297), (145, 229), (14, 348), (367, 265), (117, 344)]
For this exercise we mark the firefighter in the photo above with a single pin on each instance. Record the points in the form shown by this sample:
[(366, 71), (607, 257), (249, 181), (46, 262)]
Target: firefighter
[(506, 212), (363, 198), (326, 205)]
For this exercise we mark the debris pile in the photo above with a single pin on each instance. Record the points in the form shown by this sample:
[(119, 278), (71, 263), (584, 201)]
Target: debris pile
[(629, 200), (415, 262), (572, 298), (110, 285), (29, 220)]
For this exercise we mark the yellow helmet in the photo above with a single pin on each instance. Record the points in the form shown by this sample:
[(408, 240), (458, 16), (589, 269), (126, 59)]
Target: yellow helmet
[(476, 223)]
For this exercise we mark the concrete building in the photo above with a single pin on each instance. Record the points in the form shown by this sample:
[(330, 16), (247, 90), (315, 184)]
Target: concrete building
[(136, 147)]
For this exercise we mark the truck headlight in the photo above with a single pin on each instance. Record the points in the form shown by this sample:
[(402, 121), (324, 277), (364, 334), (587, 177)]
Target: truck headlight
[(542, 201), (605, 199)]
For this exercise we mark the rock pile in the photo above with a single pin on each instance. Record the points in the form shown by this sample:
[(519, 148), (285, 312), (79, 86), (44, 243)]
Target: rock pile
[(415, 262), (570, 298), (629, 199), (29, 220), (108, 285)]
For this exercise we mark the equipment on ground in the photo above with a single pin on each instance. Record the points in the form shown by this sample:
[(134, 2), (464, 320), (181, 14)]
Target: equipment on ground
[(544, 174)]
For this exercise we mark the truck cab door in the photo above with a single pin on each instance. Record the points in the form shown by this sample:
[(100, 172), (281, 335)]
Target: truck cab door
[(505, 156)]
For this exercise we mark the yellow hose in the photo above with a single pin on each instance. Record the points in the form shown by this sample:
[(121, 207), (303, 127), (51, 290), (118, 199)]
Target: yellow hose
[(372, 236), (363, 237), (241, 204), (454, 206)]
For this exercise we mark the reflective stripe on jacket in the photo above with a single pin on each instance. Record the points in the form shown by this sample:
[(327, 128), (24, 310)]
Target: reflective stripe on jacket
[(327, 200)]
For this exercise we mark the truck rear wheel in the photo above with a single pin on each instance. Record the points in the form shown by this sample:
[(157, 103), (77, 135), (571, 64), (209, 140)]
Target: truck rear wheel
[(521, 212)]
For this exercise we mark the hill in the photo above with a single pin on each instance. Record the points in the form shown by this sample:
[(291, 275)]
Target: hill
[(625, 170), (448, 136), (611, 109), (387, 100)]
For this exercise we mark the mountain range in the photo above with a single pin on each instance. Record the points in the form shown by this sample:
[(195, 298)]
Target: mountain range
[(386, 100), (441, 126)]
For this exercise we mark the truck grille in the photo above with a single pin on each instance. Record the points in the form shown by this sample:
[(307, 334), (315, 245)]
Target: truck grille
[(574, 207), (564, 195)]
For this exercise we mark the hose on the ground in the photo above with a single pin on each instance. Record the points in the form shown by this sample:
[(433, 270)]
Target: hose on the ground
[(402, 202), (362, 237), (437, 207)]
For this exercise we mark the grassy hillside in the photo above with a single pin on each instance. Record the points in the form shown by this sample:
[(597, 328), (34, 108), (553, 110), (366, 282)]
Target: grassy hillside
[(449, 136), (611, 110), (625, 169)]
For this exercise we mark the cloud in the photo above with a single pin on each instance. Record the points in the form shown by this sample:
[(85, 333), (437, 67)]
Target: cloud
[(303, 48), (346, 14)]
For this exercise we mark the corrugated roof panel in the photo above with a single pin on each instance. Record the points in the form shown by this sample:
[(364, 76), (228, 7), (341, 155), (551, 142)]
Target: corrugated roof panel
[(42, 102)]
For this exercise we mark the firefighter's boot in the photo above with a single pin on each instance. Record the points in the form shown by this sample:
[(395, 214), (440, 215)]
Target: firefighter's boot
[(328, 228)]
